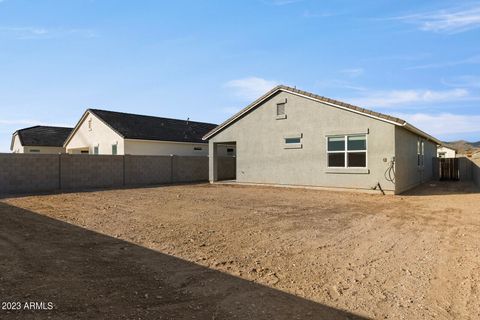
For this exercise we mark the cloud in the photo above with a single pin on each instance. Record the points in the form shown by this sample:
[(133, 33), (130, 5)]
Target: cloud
[(449, 21), (353, 72), (250, 88), (463, 81), (25, 33), (443, 123), (409, 97), (470, 60)]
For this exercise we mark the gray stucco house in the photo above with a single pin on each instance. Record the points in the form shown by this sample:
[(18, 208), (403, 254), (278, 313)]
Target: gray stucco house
[(293, 137)]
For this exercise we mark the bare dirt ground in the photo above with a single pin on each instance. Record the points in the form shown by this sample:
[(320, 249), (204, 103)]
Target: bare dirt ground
[(243, 252)]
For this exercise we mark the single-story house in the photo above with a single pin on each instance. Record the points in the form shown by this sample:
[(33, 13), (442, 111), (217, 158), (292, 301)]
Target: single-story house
[(293, 137), (39, 139), (117, 133), (446, 152)]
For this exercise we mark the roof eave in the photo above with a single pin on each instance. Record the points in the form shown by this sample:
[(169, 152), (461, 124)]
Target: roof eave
[(421, 133)]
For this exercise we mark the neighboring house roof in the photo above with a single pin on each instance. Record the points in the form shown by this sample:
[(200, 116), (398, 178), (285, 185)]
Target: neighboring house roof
[(328, 101), (140, 127), (43, 136)]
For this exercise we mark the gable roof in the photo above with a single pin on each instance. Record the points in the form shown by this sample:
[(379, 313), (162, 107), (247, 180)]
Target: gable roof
[(141, 127), (325, 100), (43, 136)]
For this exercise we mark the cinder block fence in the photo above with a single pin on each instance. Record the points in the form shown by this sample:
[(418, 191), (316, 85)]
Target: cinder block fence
[(28, 173)]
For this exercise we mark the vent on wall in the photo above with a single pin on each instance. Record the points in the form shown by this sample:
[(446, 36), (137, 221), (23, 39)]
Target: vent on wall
[(281, 110)]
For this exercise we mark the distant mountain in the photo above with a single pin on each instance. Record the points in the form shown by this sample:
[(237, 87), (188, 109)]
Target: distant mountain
[(463, 146)]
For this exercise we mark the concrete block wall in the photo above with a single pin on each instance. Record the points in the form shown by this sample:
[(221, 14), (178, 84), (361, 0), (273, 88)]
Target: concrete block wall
[(29, 173), (476, 172), (147, 170), (189, 169), (86, 171), (23, 173), (227, 168), (465, 167)]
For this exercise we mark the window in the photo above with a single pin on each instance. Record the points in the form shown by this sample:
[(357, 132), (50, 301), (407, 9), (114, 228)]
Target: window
[(84, 152), (292, 140), (34, 150), (114, 149), (95, 150), (347, 151), (197, 148), (90, 124), (230, 150), (281, 109), (420, 153)]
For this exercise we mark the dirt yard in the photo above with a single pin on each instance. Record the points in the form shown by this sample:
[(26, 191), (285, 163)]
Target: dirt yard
[(242, 252)]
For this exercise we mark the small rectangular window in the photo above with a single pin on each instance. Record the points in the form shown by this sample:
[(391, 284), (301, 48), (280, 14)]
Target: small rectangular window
[(84, 151), (95, 150), (292, 140), (280, 109), (114, 149), (230, 150), (197, 148), (34, 150)]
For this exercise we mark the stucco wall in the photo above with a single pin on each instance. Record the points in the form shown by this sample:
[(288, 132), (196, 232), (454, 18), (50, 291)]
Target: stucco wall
[(97, 134), (262, 158), (44, 150), (16, 146), (407, 172), (448, 153), (142, 147)]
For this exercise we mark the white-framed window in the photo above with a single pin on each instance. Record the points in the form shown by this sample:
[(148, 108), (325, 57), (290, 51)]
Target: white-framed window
[(293, 141), (347, 151), (95, 150), (114, 149)]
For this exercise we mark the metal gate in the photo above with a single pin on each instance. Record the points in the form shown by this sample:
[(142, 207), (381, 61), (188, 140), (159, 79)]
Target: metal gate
[(449, 169)]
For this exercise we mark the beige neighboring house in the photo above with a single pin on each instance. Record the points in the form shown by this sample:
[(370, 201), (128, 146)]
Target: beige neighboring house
[(118, 133), (446, 152), (293, 137), (40, 139)]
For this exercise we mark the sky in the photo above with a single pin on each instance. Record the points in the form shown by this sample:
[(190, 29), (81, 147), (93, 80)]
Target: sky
[(205, 60)]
